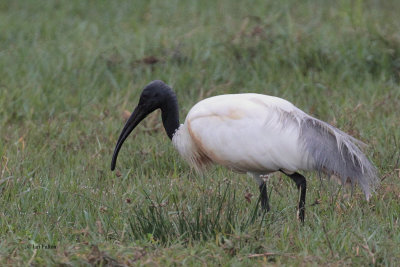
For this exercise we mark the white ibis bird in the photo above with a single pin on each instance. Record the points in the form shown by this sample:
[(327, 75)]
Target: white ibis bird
[(255, 134)]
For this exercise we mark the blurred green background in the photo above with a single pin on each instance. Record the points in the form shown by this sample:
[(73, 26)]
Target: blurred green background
[(69, 70)]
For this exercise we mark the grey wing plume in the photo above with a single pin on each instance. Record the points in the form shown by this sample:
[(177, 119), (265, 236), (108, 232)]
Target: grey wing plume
[(337, 153)]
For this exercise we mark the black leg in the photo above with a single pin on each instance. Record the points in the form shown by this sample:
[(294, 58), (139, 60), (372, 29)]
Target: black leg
[(302, 186), (264, 196)]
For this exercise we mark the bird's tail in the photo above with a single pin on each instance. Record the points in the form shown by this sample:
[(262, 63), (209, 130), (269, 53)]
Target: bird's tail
[(338, 154)]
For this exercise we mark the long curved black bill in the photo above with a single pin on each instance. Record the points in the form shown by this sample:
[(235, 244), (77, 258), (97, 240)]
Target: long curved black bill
[(136, 117)]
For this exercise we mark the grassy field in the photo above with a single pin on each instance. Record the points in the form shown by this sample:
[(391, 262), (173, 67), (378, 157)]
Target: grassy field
[(70, 69)]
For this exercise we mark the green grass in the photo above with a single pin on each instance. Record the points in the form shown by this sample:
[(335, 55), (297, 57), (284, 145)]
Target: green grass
[(69, 69)]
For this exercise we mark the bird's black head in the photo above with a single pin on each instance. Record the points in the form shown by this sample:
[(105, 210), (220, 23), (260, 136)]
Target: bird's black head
[(154, 96)]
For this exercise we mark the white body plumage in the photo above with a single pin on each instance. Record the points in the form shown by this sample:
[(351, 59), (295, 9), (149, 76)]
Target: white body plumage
[(243, 132), (261, 134)]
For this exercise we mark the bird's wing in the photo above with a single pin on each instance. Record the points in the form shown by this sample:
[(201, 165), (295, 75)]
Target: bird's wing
[(249, 132)]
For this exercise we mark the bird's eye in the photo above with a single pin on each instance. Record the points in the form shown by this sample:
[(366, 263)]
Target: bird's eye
[(143, 97)]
